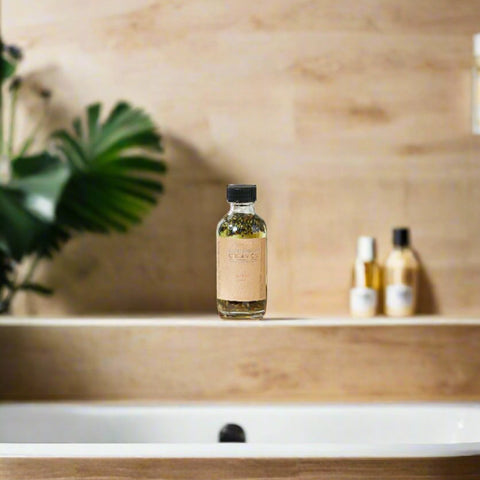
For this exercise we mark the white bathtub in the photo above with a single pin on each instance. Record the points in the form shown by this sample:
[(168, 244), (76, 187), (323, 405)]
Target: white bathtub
[(191, 431)]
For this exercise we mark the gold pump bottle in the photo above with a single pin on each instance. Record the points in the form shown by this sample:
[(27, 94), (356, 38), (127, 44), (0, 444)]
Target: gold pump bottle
[(366, 280), (241, 257), (401, 276)]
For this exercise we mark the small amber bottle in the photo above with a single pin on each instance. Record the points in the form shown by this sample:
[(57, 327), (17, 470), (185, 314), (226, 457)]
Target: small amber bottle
[(365, 291), (241, 257), (401, 276)]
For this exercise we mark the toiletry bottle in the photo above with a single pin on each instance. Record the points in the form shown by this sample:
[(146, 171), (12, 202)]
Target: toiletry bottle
[(366, 280), (401, 276), (241, 257)]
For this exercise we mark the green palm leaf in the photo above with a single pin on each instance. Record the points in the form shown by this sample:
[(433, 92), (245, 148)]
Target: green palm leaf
[(28, 204), (115, 169), (7, 68), (10, 56), (42, 177), (103, 177), (21, 230)]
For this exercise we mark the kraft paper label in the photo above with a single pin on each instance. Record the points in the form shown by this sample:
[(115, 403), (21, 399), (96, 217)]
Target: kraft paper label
[(241, 269)]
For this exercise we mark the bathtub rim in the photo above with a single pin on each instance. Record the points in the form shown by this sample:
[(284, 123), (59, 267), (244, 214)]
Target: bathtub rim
[(239, 450), (212, 451)]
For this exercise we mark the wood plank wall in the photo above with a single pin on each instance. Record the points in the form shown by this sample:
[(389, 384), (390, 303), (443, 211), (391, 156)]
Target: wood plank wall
[(352, 116)]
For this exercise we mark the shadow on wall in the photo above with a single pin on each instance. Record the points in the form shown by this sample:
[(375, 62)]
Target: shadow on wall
[(427, 300), (165, 265), (48, 115)]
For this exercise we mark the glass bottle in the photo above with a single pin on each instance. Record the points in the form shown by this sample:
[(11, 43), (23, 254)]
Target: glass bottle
[(241, 257), (366, 281), (476, 85), (401, 276)]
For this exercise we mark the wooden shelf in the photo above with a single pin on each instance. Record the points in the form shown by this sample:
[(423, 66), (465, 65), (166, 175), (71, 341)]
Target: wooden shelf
[(215, 321), (207, 359)]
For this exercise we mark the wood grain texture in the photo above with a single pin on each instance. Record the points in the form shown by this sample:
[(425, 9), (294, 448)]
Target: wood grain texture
[(351, 116), (274, 364), (462, 468)]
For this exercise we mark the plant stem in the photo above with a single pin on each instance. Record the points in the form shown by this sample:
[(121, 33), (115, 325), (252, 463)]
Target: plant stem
[(1, 111), (26, 279), (8, 300), (11, 133), (31, 270)]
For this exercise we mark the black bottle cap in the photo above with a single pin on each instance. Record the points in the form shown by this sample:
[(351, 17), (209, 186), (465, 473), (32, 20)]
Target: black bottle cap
[(241, 193), (401, 237)]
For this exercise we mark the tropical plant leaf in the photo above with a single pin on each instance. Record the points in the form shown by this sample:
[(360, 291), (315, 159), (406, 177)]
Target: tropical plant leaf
[(10, 56), (139, 163), (93, 116), (21, 230), (42, 178), (71, 148), (115, 169), (41, 163), (7, 69), (28, 206), (100, 179)]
